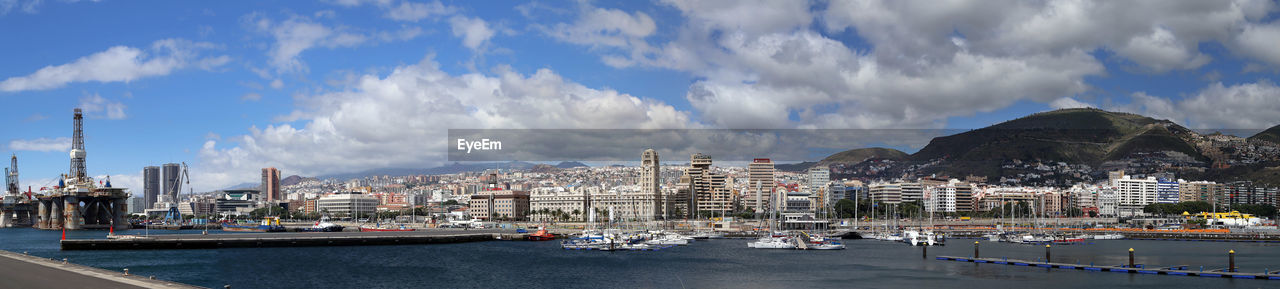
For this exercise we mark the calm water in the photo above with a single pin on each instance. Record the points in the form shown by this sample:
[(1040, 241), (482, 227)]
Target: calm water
[(704, 264)]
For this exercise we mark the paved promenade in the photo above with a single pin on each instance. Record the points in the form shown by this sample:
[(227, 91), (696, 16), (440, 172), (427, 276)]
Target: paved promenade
[(22, 271)]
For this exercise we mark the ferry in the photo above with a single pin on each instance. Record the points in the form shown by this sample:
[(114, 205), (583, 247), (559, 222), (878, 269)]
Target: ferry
[(269, 224)]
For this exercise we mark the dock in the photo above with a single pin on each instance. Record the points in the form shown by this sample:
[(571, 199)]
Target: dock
[(1178, 270), (254, 240), (25, 271)]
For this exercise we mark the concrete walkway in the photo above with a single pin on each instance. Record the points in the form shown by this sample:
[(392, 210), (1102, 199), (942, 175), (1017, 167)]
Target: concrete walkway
[(23, 271)]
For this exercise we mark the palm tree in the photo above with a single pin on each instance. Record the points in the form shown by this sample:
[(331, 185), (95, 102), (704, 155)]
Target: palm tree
[(576, 212)]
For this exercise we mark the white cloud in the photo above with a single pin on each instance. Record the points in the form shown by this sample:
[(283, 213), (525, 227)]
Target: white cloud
[(475, 32), (297, 34), (61, 144), (1241, 106), (1067, 102), (1261, 41), (414, 11), (400, 119), (119, 64), (277, 83), (924, 61), (252, 96), (95, 105)]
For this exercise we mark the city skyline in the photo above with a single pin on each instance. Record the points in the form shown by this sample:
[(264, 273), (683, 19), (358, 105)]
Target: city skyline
[(232, 89)]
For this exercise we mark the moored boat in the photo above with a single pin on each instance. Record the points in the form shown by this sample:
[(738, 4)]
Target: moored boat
[(269, 224), (542, 235)]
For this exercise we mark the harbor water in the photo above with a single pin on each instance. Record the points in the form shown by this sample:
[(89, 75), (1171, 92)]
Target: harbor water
[(703, 264)]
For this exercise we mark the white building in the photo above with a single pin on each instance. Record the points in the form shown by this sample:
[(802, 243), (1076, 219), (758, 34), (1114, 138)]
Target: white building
[(557, 199), (346, 204), (1134, 194), (940, 199), (628, 202), (819, 177)]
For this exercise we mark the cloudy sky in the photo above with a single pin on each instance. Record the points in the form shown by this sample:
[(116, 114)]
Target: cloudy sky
[(347, 85)]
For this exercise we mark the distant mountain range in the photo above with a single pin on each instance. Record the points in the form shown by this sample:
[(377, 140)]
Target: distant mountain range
[(441, 170), (1062, 146)]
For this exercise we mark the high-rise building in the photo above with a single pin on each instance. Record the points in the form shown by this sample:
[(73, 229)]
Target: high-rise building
[(150, 186), (1202, 191), (760, 184), (1167, 191), (651, 178), (1133, 194), (819, 177), (271, 184), (171, 180)]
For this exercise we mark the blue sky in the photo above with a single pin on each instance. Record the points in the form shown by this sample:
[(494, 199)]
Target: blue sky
[(338, 86)]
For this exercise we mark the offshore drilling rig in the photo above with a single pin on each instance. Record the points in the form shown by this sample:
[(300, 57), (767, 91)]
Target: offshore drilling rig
[(77, 202), (15, 210)]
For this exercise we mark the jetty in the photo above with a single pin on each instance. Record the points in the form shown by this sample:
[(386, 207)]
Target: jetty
[(26, 271), (1176, 270), (253, 240)]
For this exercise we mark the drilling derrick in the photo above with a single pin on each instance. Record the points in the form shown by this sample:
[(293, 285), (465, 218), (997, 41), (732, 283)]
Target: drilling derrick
[(78, 174)]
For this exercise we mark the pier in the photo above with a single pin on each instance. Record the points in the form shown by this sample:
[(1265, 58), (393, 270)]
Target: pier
[(254, 240), (25, 271), (1177, 270)]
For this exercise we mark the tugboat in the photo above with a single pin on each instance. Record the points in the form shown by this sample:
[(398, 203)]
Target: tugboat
[(268, 224), (542, 235)]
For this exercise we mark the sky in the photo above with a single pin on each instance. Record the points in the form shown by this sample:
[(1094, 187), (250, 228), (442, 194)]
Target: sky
[(324, 87)]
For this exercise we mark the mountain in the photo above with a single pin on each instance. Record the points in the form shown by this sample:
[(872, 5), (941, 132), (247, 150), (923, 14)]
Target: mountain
[(291, 180), (854, 156), (1074, 136), (570, 165), (243, 186), (1272, 135), (796, 167)]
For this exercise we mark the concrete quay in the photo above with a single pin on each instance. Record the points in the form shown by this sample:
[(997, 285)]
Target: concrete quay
[(24, 271), (254, 240)]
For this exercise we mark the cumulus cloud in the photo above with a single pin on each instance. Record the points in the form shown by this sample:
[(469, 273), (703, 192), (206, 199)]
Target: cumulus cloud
[(61, 144), (1241, 106), (1260, 42), (400, 120), (924, 61), (95, 105), (120, 64), (475, 32), (297, 34), (414, 11)]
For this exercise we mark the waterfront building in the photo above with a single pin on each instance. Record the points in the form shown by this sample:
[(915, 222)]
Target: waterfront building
[(200, 207), (1167, 191), (911, 191), (347, 204), (627, 203), (499, 203), (886, 192), (171, 179), (1202, 191), (137, 205), (947, 198), (651, 180), (760, 184), (1108, 202), (150, 186), (707, 186), (236, 202), (547, 202), (271, 184), (1135, 194), (819, 177)]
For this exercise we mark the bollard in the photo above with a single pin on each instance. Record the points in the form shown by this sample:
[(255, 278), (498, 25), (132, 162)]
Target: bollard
[(126, 271), (975, 250), (152, 277), (924, 254), (1130, 257), (1046, 253), (64, 260), (25, 253), (1231, 267)]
